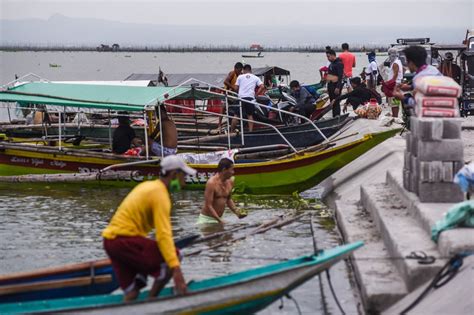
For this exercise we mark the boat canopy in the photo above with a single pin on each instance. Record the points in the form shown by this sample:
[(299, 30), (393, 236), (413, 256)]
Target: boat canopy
[(260, 72), (128, 98), (175, 79)]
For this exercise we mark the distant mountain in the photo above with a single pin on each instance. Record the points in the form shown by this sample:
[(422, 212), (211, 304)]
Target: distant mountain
[(62, 30)]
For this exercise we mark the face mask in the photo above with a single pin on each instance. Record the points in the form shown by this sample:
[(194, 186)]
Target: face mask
[(175, 186)]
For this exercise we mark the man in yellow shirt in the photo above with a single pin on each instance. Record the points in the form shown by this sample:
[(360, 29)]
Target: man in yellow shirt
[(133, 255)]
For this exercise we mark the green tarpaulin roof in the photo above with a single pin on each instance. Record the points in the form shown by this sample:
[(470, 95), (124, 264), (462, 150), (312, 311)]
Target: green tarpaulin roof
[(129, 98)]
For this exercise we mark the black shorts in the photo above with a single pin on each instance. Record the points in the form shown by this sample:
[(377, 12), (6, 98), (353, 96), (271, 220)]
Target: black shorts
[(247, 108)]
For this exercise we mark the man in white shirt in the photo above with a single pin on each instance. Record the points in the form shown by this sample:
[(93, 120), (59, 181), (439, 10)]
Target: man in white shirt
[(246, 84), (371, 71)]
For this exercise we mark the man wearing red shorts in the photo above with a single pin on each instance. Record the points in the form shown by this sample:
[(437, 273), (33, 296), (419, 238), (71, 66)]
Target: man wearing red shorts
[(133, 255)]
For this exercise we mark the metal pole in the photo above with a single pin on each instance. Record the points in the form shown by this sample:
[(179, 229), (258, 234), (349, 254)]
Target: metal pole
[(110, 130), (227, 119), (161, 131), (243, 119), (146, 135), (60, 131), (241, 124)]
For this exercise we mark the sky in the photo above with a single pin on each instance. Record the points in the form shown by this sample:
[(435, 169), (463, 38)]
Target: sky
[(253, 12), (216, 22)]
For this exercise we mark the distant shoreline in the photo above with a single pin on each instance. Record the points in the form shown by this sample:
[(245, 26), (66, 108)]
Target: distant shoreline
[(186, 49)]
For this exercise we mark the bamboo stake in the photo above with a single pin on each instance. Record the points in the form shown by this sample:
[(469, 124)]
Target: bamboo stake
[(262, 228)]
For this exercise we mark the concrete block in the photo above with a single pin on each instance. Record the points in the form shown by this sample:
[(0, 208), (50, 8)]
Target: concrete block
[(414, 145), (401, 233), (439, 192), (415, 166), (407, 161), (408, 139), (447, 170), (407, 180), (436, 171), (452, 128), (457, 240), (428, 129), (457, 165), (446, 150)]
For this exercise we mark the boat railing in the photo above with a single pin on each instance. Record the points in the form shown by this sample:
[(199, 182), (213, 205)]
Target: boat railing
[(253, 102), (231, 117), (21, 79)]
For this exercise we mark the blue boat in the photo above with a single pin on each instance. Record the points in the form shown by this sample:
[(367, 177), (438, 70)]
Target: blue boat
[(82, 279), (244, 292)]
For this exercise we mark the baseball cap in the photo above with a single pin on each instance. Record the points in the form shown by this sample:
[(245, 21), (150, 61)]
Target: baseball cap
[(174, 162)]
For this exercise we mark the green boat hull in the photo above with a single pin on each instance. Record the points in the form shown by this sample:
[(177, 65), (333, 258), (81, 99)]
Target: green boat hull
[(272, 177)]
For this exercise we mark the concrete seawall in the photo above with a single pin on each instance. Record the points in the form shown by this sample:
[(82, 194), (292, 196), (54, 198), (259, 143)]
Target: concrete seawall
[(370, 204)]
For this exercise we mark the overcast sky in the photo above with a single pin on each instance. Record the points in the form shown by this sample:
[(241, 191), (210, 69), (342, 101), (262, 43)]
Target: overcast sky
[(436, 13)]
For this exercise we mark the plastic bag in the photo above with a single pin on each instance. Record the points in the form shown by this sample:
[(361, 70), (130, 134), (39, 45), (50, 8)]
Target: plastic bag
[(465, 177), (461, 214)]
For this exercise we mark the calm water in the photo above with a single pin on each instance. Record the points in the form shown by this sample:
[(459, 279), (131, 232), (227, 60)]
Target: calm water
[(46, 225)]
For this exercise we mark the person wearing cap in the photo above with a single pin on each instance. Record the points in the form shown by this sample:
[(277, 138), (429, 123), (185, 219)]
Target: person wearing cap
[(449, 68), (133, 255), (218, 194)]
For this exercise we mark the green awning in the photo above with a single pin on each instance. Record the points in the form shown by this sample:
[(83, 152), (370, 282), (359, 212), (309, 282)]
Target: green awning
[(129, 98)]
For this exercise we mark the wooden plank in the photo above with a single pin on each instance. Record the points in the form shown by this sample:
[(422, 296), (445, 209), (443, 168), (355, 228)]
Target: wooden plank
[(54, 284)]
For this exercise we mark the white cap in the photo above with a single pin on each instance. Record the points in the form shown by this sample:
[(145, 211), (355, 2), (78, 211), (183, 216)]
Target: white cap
[(174, 162)]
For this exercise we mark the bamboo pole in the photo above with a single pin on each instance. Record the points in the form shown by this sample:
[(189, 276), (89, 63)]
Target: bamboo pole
[(69, 177), (262, 228)]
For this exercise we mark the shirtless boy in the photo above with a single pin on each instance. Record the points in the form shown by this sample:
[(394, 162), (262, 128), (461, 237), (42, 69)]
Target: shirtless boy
[(218, 194)]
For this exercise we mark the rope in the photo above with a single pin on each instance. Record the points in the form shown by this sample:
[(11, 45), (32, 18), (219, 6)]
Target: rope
[(448, 272), (288, 296), (334, 293)]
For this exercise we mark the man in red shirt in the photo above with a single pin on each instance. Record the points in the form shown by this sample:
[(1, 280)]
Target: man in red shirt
[(349, 61)]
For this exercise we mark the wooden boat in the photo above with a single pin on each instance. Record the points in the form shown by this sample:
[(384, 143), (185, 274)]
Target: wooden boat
[(244, 292), (281, 176), (300, 136), (253, 56), (89, 278), (82, 279)]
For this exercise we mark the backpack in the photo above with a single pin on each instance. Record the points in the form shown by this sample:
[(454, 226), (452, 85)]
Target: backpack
[(312, 90)]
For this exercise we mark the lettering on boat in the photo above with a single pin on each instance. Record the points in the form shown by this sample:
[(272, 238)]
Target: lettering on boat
[(87, 170), (60, 164), (16, 159), (37, 162), (199, 178)]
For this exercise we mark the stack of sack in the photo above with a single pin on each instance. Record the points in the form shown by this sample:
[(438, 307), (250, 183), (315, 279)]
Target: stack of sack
[(435, 150), (370, 110)]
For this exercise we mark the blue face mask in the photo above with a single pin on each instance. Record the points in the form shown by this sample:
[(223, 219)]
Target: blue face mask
[(175, 185)]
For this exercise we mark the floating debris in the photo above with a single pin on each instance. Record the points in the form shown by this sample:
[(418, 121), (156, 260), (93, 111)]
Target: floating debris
[(54, 65)]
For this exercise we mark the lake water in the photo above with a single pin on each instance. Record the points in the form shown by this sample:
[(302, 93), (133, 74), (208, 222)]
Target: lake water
[(48, 225)]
